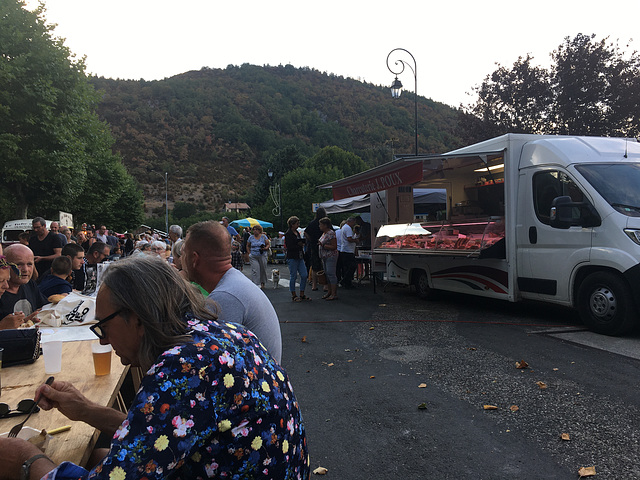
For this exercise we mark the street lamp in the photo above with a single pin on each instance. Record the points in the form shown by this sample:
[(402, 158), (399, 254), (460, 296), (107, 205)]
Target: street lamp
[(276, 196), (396, 87)]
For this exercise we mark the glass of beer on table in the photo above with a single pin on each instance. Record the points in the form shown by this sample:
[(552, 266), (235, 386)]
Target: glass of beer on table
[(101, 358)]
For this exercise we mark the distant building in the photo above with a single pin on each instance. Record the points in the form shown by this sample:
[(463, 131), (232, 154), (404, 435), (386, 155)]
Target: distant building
[(236, 207)]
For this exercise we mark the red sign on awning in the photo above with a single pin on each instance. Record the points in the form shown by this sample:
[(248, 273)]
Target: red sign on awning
[(378, 179)]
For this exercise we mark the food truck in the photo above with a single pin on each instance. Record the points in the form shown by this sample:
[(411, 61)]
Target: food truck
[(547, 218)]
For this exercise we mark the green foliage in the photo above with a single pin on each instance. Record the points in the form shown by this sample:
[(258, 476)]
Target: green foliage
[(224, 128), (183, 210), (590, 89), (55, 154)]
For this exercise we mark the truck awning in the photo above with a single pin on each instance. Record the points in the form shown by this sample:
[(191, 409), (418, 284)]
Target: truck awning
[(392, 174), (406, 170)]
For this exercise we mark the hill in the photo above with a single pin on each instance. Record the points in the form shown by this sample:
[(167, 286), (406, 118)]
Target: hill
[(212, 129)]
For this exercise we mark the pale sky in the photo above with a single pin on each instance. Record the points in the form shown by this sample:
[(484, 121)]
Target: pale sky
[(456, 43)]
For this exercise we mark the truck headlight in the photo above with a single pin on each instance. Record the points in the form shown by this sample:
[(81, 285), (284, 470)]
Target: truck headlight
[(633, 234)]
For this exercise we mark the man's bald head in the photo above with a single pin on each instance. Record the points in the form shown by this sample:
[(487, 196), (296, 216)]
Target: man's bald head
[(22, 257), (206, 254), (209, 239)]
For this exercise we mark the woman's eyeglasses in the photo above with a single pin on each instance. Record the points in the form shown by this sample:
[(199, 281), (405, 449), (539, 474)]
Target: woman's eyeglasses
[(98, 327), (23, 408)]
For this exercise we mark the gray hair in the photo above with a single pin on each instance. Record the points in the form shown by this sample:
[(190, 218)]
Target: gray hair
[(39, 220), (177, 229), (155, 292), (176, 251)]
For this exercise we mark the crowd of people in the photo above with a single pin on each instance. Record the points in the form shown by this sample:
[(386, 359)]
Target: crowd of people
[(231, 414)]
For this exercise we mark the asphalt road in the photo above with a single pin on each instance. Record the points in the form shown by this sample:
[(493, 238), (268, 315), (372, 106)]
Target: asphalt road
[(362, 366)]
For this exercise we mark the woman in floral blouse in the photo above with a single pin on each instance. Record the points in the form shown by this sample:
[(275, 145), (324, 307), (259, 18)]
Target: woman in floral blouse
[(213, 403), (328, 245)]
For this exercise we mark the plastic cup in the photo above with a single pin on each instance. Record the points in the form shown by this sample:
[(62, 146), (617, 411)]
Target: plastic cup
[(101, 358), (52, 353)]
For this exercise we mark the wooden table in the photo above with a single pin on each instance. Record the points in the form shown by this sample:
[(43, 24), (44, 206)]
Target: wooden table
[(20, 382)]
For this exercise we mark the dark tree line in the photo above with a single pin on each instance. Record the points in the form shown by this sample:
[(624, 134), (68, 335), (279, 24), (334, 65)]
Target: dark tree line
[(591, 88)]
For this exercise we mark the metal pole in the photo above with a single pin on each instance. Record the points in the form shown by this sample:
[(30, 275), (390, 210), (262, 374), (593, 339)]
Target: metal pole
[(166, 202), (280, 202), (414, 69)]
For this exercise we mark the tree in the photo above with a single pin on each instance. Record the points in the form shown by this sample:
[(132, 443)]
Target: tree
[(595, 88), (55, 154), (590, 89), (346, 163)]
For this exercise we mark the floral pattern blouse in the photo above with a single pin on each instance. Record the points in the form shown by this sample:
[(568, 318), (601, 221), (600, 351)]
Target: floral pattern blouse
[(219, 407), (324, 239)]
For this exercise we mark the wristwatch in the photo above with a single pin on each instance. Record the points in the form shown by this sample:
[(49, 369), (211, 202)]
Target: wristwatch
[(26, 466)]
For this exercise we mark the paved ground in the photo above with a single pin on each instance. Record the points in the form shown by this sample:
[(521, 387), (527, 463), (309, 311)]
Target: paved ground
[(357, 366)]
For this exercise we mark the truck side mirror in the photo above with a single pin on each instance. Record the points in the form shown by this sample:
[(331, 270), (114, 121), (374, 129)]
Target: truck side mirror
[(565, 214)]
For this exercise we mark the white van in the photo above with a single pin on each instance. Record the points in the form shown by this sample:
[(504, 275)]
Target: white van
[(13, 228), (548, 218)]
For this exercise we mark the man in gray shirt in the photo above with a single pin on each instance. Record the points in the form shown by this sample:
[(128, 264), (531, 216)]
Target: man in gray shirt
[(206, 259)]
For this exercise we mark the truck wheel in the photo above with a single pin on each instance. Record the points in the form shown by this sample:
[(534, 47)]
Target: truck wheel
[(421, 283), (606, 305)]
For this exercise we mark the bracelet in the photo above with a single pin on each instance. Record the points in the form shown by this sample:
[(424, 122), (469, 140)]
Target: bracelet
[(26, 466)]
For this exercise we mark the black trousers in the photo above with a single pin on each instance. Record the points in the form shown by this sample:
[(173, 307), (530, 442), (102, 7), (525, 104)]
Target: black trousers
[(348, 267)]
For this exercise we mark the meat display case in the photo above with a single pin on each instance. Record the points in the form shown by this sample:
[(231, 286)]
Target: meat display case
[(482, 237)]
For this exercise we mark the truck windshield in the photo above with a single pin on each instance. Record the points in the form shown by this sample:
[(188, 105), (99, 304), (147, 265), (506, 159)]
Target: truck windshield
[(619, 184)]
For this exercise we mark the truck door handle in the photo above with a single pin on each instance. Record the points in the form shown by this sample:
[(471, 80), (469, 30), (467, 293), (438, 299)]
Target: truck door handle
[(533, 235)]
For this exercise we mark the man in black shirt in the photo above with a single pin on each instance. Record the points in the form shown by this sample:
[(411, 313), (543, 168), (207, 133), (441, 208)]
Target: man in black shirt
[(23, 294), (45, 245)]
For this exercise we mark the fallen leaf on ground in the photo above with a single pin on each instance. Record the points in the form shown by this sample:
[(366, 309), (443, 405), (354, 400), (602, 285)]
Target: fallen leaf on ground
[(522, 364), (382, 305), (422, 406), (542, 385), (371, 328), (372, 376), (587, 472), (514, 408), (422, 385), (490, 407), (556, 369), (473, 349), (565, 437), (304, 339), (330, 365), (320, 471)]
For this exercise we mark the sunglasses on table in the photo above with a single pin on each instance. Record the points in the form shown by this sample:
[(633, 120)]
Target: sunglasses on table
[(23, 408), (98, 329)]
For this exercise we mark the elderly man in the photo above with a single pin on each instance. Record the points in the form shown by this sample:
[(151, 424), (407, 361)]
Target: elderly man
[(23, 294), (12, 320), (55, 229), (348, 252), (175, 233), (206, 259), (46, 245)]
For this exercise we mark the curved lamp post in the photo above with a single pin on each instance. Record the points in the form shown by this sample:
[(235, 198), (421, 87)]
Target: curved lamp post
[(276, 196), (396, 87)]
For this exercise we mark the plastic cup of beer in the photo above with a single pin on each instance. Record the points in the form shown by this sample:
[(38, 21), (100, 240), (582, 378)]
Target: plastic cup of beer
[(101, 358), (52, 353)]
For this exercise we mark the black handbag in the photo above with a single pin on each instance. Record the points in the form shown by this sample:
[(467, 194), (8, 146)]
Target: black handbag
[(21, 345)]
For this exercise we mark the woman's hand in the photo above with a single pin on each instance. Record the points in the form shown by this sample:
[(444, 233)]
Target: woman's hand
[(65, 397)]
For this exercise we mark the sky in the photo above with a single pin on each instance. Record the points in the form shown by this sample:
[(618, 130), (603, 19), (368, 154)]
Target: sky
[(455, 43)]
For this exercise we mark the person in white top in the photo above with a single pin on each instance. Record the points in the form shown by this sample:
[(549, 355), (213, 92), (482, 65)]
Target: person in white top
[(348, 252)]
